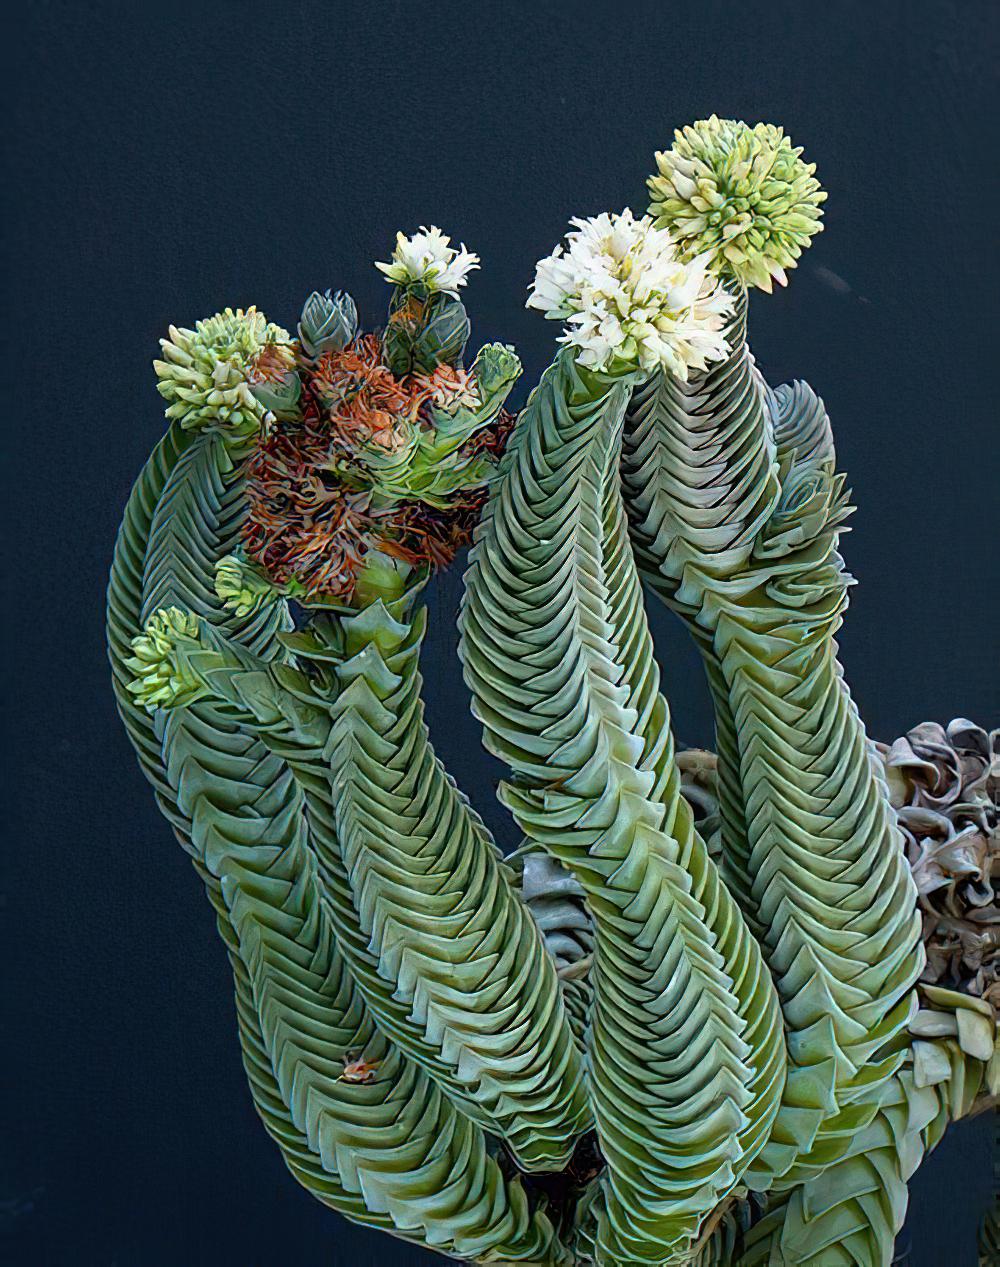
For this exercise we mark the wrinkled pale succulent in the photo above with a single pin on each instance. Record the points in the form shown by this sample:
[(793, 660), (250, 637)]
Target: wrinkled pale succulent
[(945, 785), (205, 372), (629, 301), (740, 194)]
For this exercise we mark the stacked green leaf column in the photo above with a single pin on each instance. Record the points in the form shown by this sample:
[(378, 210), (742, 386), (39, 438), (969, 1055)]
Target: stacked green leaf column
[(394, 1137), (447, 957), (153, 492), (700, 480), (848, 1215), (735, 516), (392, 1151), (685, 1051), (124, 606)]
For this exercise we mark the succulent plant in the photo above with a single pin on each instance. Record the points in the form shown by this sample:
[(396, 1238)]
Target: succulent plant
[(944, 783), (989, 1237), (328, 323), (242, 588), (690, 1020)]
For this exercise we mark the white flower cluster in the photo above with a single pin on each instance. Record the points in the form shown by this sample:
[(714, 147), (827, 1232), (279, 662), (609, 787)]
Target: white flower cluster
[(628, 300), (429, 257)]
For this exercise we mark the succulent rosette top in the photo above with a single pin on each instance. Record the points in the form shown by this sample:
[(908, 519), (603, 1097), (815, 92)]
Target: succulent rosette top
[(376, 447)]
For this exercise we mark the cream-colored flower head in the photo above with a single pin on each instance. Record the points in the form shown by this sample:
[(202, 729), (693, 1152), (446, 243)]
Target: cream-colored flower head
[(428, 257), (740, 194), (629, 301), (205, 372)]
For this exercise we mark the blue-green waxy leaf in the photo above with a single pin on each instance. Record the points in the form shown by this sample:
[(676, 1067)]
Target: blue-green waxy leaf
[(328, 323)]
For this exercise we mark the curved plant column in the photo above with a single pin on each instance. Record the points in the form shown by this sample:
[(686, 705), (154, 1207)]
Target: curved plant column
[(392, 439), (817, 858), (740, 1022), (457, 963), (124, 623), (357, 1145), (392, 1148), (445, 954), (685, 1050), (699, 473)]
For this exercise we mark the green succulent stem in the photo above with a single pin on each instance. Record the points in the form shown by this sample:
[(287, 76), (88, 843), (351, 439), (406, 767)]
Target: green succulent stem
[(239, 813), (454, 965), (446, 956), (850, 1211), (564, 681), (699, 470), (809, 838), (125, 594)]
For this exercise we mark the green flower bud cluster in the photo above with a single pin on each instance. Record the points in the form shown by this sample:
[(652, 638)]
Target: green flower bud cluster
[(161, 679), (741, 194), (205, 373), (426, 329), (328, 323), (242, 588)]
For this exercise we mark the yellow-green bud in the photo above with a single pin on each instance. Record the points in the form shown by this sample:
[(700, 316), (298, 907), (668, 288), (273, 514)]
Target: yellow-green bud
[(242, 589), (740, 195), (161, 680), (206, 373)]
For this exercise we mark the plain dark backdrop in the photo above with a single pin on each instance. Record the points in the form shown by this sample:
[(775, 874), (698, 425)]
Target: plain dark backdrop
[(161, 164)]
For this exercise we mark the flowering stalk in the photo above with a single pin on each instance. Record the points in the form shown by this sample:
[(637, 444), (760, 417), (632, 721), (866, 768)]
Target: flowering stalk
[(684, 1042), (370, 452), (756, 575)]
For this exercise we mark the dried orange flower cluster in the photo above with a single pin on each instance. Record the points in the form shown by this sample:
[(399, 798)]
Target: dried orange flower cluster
[(367, 404), (315, 506)]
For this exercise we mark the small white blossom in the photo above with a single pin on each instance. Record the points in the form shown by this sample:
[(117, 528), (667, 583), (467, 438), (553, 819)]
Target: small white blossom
[(429, 257), (628, 300)]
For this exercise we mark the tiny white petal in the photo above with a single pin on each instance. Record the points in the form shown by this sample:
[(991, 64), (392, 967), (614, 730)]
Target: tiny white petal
[(628, 300)]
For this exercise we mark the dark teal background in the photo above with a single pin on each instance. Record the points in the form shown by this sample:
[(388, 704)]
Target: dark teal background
[(163, 162)]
